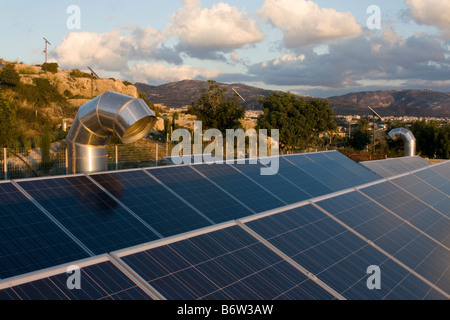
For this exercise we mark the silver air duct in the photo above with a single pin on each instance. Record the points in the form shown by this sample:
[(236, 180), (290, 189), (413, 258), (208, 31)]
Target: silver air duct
[(130, 118), (408, 139)]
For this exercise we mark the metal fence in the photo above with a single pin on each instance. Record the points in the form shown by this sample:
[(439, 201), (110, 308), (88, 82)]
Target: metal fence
[(18, 163)]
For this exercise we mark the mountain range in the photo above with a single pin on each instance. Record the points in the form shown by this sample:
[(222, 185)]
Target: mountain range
[(420, 103)]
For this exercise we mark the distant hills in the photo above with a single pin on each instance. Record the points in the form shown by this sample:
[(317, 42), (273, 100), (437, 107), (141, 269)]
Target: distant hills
[(418, 103), (183, 93)]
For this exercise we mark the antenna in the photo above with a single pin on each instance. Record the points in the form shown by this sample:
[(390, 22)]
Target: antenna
[(238, 94), (94, 74), (46, 51)]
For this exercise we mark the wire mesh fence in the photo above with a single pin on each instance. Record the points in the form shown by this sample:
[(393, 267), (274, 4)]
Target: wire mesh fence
[(18, 163)]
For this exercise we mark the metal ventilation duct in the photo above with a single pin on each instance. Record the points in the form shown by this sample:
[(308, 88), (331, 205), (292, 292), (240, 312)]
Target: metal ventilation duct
[(130, 118), (408, 139)]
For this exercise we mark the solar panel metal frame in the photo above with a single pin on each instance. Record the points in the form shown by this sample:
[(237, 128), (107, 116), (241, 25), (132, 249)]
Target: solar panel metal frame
[(47, 273)]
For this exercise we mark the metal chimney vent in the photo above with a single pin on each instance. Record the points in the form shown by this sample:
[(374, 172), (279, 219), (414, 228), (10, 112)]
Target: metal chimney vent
[(130, 118), (408, 139)]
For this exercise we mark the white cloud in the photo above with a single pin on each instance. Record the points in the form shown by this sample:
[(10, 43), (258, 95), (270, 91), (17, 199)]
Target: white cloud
[(112, 51), (220, 28), (157, 73), (304, 22), (431, 12), (103, 51)]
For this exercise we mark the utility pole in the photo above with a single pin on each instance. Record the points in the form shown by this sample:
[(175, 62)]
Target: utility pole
[(46, 53)]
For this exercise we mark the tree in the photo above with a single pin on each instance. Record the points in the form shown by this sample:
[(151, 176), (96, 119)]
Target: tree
[(217, 111), (297, 120), (361, 137), (8, 124)]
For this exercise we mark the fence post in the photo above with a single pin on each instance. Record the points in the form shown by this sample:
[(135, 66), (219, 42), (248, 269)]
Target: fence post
[(117, 158), (5, 163), (156, 153), (67, 161)]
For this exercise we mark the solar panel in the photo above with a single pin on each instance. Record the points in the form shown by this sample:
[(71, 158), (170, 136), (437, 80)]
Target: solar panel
[(276, 184), (361, 171), (322, 180), (393, 235), (395, 166), (306, 175), (337, 256), (443, 169), (346, 177), (88, 213), (426, 192), (151, 202), (419, 214), (201, 193), (29, 240), (99, 279), (241, 187), (436, 180), (226, 264)]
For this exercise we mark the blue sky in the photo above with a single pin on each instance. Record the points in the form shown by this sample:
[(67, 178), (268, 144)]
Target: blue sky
[(320, 47)]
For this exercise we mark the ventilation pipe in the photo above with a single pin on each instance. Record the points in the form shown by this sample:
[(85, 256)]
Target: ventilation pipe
[(128, 117), (408, 139)]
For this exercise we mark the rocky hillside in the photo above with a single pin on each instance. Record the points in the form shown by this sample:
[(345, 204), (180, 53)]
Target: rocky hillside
[(75, 85), (394, 103)]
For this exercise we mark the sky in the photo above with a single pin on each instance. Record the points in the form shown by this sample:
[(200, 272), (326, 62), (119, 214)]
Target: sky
[(320, 48)]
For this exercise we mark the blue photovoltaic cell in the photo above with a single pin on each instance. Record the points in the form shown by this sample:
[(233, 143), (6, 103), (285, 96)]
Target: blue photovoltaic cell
[(433, 178), (201, 193), (102, 281), (240, 186), (395, 166), (323, 181), (152, 202), (88, 213), (421, 189), (417, 251), (337, 256), (283, 189), (29, 240), (347, 177), (306, 175), (361, 171), (443, 169), (225, 264), (420, 215)]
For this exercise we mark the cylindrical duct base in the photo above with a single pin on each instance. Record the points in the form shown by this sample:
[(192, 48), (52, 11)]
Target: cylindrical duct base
[(86, 159)]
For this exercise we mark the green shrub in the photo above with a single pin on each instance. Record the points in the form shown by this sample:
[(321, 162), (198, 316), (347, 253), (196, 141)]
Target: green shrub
[(9, 77), (79, 74), (50, 67)]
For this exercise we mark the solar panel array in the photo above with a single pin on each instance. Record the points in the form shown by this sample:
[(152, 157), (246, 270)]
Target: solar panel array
[(224, 231)]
